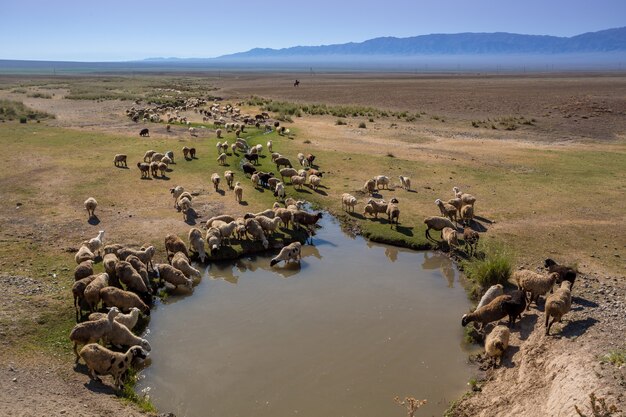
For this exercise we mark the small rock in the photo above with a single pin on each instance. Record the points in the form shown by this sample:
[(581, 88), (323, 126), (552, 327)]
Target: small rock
[(14, 380)]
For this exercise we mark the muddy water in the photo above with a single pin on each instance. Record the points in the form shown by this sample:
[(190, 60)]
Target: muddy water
[(354, 326)]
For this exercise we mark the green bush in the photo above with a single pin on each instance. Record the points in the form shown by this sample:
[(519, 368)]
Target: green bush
[(362, 125), (493, 268), (23, 119)]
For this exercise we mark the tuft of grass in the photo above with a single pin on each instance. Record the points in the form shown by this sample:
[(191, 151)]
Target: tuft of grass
[(390, 155), (362, 125), (341, 122), (493, 268), (39, 95), (129, 394), (371, 120), (307, 141), (599, 407), (616, 357)]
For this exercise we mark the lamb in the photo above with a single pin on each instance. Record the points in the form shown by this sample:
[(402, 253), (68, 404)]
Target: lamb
[(370, 186), (450, 236), (222, 159), (129, 320), (533, 283), (141, 269), (95, 244), (565, 272), (174, 244), (491, 312), (92, 291), (90, 206), (470, 239), (145, 254), (393, 212), (238, 192), (215, 179), (282, 161), (291, 252), (144, 168), (123, 300), (436, 223), (381, 180), (196, 243), (467, 214), (102, 361), (496, 343), (120, 335), (314, 181), (405, 182), (78, 291), (558, 304), (348, 201), (181, 262), (302, 160), (131, 278), (229, 176), (83, 270), (256, 231), (120, 160), (287, 172), (447, 210), (515, 306), (148, 155), (92, 331), (213, 238), (172, 275), (269, 146), (224, 217), (176, 192), (279, 191), (493, 292), (378, 206)]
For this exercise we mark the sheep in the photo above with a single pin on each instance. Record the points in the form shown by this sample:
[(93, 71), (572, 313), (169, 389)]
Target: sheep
[(347, 201), (113, 248), (144, 168), (192, 153), (264, 178), (450, 236), (119, 160), (120, 335), (370, 186), (565, 272), (456, 203), (156, 157), (381, 180), (166, 160), (83, 270), (470, 239), (196, 243), (238, 192), (301, 218), (436, 223), (192, 131), (258, 148), (248, 168), (154, 169), (279, 191), (393, 212), (215, 179), (405, 182), (515, 306), (145, 254), (298, 181), (224, 217), (148, 155), (174, 244), (466, 199), (269, 213), (181, 262), (213, 238), (176, 192), (467, 214), (269, 146), (124, 300), (447, 210), (78, 291), (172, 275), (168, 127), (378, 206), (95, 244), (285, 215), (493, 292), (170, 155), (287, 172), (558, 304), (144, 132), (90, 206), (496, 343), (275, 155), (314, 181), (291, 252), (252, 157), (229, 176), (488, 313), (312, 171), (256, 231), (369, 209), (309, 158), (129, 320), (141, 269), (533, 283), (282, 161), (181, 197), (226, 229), (302, 160), (269, 226), (92, 331), (222, 159), (218, 133), (162, 166), (102, 361), (92, 291), (130, 277), (185, 206)]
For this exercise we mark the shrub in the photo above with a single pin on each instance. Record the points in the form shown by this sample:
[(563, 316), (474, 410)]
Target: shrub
[(307, 141), (371, 120), (340, 122), (362, 125), (23, 119), (616, 357), (493, 268)]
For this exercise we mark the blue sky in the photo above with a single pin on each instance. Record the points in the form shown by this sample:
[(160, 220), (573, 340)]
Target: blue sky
[(110, 30)]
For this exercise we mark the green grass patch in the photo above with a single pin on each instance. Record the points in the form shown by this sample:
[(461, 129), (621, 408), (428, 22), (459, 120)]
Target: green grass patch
[(493, 267), (16, 110), (129, 394), (615, 357)]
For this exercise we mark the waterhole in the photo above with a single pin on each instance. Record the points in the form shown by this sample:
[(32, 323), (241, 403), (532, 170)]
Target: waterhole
[(352, 327)]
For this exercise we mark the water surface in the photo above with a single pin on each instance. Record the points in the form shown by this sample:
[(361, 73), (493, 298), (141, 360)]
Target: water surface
[(343, 334)]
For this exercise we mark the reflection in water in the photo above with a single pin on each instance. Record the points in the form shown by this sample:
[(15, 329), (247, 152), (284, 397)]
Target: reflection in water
[(346, 333)]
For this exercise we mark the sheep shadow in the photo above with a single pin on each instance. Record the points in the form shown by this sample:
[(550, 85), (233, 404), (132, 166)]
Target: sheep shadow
[(260, 189), (243, 203), (95, 386), (407, 231), (526, 325), (356, 215), (191, 217), (577, 328), (187, 158), (483, 219), (321, 192), (474, 225), (302, 190), (411, 191), (583, 303), (121, 167), (93, 220), (221, 192), (146, 178), (162, 178), (507, 359)]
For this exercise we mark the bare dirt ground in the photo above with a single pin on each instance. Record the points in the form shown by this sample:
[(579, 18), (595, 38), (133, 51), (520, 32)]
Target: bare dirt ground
[(540, 375)]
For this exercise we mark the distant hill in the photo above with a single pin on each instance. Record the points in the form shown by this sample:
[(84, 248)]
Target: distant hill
[(610, 40)]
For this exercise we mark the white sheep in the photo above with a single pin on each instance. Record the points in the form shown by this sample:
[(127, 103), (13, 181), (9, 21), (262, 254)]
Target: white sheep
[(279, 191), (181, 262), (238, 192), (213, 238), (222, 158), (124, 300), (534, 283), (493, 292), (120, 335), (229, 176), (176, 192), (298, 181), (256, 231), (450, 236), (348, 201), (291, 252), (92, 291), (405, 182), (314, 181), (196, 243), (102, 361), (95, 244), (148, 155), (226, 230), (129, 320), (90, 206), (215, 179), (436, 223), (496, 342), (447, 210), (92, 331), (269, 146), (381, 180), (173, 276), (467, 214)]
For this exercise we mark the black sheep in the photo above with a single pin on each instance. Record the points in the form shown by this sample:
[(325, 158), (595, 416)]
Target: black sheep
[(515, 306), (565, 272), (248, 168), (252, 157), (144, 132)]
